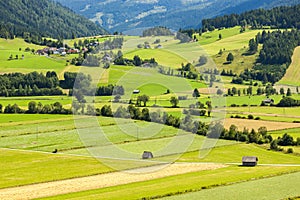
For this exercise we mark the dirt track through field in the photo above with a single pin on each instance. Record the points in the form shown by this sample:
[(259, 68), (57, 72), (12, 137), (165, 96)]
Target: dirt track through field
[(100, 181)]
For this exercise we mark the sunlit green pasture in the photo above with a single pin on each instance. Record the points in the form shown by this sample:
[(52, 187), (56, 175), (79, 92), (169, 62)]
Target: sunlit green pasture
[(294, 132), (283, 187), (163, 57), (238, 41), (23, 101), (28, 167), (172, 185), (234, 154)]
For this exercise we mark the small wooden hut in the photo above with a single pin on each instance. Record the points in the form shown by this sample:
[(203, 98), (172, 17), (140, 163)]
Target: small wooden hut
[(249, 160), (147, 155)]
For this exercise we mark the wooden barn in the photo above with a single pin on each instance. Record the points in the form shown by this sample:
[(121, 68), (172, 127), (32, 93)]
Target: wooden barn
[(147, 155), (249, 160)]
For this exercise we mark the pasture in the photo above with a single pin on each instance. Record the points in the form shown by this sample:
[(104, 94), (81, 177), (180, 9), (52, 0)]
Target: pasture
[(283, 187), (234, 154), (238, 41), (194, 181), (27, 141), (292, 74), (31, 62), (162, 57), (28, 167)]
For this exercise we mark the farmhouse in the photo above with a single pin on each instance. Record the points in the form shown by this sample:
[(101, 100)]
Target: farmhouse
[(249, 160), (147, 155)]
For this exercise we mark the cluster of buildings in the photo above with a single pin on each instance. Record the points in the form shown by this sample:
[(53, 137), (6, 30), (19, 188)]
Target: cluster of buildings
[(59, 51)]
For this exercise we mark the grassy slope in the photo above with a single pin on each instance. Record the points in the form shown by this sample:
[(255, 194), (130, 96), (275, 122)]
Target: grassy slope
[(31, 62), (235, 41), (180, 183), (234, 153), (211, 37), (23, 101), (294, 132), (239, 64), (22, 167), (163, 57), (293, 72), (279, 187)]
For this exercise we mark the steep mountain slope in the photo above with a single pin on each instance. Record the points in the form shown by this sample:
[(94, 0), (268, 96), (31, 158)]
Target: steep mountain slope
[(124, 15), (44, 18)]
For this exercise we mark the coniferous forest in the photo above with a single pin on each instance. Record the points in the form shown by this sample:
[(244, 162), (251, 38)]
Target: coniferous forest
[(278, 17), (43, 18)]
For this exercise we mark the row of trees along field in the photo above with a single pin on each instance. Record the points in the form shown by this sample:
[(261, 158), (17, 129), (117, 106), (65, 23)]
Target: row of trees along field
[(38, 84), (31, 84), (279, 17), (213, 130)]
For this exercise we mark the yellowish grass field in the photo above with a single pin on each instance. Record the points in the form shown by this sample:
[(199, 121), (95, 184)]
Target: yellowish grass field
[(102, 180), (256, 124), (292, 74)]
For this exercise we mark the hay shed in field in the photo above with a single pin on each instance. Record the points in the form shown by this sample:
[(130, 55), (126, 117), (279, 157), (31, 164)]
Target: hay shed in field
[(147, 155), (136, 91), (249, 160)]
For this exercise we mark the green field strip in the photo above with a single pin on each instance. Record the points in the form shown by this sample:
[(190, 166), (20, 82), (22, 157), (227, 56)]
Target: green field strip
[(278, 187), (180, 183), (19, 167)]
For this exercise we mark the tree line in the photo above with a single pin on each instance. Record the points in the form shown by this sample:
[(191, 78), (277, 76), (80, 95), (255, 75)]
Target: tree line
[(157, 31), (43, 19), (213, 130), (279, 17), (36, 108), (31, 84), (274, 57)]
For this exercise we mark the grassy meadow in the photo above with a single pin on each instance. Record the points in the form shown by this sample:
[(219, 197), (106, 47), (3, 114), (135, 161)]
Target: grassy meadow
[(283, 187), (27, 140), (28, 167), (292, 74), (194, 181)]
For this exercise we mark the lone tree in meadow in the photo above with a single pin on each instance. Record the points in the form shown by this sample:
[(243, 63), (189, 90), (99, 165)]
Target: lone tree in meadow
[(253, 47), (281, 91), (143, 98), (137, 61), (230, 57), (174, 101), (196, 93), (288, 92), (209, 108), (219, 92)]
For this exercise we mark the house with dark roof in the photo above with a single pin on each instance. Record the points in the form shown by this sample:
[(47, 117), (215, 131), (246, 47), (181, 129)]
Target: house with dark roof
[(249, 160)]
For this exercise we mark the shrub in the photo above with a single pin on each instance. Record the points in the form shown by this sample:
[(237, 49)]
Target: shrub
[(250, 117), (290, 150), (257, 118)]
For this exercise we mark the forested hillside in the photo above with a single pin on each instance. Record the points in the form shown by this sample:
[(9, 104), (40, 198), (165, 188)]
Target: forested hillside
[(279, 17), (124, 16), (43, 18)]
